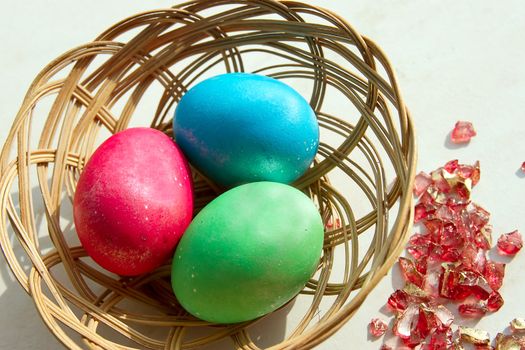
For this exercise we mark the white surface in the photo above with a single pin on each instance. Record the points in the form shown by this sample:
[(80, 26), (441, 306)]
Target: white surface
[(454, 59)]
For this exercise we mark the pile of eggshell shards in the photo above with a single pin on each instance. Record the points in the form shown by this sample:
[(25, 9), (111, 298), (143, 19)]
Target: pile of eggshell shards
[(448, 267)]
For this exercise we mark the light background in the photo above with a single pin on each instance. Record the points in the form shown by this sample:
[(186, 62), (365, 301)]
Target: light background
[(454, 60)]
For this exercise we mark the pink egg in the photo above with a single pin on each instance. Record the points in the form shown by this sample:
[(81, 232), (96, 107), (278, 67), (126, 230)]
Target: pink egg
[(133, 201)]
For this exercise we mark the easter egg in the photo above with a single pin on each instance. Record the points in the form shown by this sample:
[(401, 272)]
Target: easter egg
[(133, 201), (238, 128), (248, 252)]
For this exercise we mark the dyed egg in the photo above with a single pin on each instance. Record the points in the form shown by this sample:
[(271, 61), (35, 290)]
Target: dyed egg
[(238, 128), (133, 201), (247, 253)]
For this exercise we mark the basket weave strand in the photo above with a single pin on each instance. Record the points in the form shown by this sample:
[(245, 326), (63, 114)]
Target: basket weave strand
[(96, 88)]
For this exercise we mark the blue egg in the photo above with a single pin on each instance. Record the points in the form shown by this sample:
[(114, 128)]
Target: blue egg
[(238, 128)]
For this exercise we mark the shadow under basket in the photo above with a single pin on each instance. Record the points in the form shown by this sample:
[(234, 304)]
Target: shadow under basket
[(361, 179)]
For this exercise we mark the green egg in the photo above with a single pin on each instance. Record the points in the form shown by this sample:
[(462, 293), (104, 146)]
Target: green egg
[(247, 253)]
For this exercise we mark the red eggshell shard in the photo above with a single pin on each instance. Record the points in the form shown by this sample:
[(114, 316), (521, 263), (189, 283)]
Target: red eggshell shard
[(472, 310), (421, 183), (462, 133), (377, 327), (494, 273), (495, 302), (133, 201), (409, 272), (510, 243)]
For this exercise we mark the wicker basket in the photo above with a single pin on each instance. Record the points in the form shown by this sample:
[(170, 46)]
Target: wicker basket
[(361, 179)]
